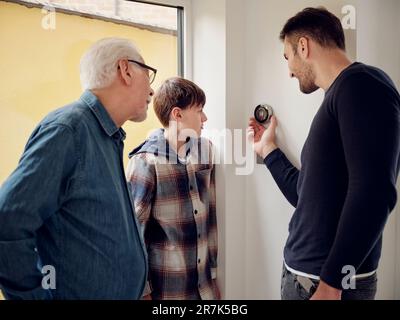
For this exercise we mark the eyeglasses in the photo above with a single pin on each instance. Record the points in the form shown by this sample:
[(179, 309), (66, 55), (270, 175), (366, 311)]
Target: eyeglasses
[(152, 71)]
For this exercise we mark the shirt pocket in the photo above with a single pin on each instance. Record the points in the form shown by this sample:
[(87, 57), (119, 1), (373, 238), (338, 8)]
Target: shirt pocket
[(203, 178)]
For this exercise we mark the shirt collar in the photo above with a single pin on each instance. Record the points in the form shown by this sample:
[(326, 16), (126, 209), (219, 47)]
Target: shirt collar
[(102, 115)]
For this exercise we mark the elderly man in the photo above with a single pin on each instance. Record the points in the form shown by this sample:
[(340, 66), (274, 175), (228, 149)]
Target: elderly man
[(66, 208)]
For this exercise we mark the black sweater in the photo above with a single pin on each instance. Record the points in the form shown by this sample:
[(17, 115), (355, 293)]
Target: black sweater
[(346, 187)]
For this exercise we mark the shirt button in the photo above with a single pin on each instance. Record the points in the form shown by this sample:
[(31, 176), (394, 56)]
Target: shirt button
[(191, 187), (199, 236), (198, 261), (195, 211)]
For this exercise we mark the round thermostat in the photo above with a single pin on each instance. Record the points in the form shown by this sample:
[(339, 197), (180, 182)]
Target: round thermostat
[(263, 113)]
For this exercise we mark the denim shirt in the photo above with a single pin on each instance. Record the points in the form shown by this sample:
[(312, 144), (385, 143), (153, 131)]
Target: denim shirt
[(67, 206)]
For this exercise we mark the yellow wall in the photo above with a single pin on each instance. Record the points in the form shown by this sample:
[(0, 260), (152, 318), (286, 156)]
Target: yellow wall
[(40, 71)]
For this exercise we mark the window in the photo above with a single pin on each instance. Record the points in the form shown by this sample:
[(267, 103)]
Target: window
[(45, 41)]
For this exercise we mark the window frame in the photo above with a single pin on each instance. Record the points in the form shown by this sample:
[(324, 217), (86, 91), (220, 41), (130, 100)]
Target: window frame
[(185, 52)]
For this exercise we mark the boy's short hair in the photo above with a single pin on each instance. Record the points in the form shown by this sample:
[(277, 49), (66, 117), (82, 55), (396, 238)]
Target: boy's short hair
[(176, 92)]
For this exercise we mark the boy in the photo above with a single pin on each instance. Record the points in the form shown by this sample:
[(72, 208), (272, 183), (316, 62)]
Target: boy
[(171, 178)]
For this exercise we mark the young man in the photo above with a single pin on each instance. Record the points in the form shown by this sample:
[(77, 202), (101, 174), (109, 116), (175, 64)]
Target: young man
[(171, 177), (67, 205), (346, 187)]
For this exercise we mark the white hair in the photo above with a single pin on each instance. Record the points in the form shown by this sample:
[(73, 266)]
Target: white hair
[(99, 64)]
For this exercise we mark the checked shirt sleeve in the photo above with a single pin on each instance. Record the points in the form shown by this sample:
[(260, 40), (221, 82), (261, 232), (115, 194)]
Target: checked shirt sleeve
[(141, 181)]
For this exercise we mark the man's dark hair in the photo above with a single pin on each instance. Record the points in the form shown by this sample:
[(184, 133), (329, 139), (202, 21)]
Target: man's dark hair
[(318, 24)]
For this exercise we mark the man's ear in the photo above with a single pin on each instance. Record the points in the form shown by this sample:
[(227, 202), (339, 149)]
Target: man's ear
[(176, 114), (125, 72), (303, 49)]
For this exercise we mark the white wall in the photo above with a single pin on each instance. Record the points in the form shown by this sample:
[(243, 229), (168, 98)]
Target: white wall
[(208, 42), (238, 60), (218, 69)]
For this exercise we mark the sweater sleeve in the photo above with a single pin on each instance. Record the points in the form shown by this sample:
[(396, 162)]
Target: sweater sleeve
[(284, 173), (369, 122)]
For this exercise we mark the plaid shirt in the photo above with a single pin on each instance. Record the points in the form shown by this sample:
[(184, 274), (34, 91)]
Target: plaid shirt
[(175, 204)]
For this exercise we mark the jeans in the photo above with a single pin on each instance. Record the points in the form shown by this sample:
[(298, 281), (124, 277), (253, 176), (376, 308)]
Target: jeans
[(292, 289)]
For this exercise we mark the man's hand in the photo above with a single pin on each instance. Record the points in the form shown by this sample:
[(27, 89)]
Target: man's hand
[(326, 292), (263, 139), (148, 297)]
